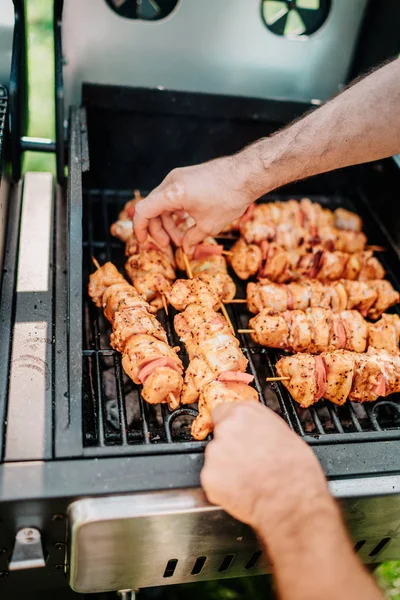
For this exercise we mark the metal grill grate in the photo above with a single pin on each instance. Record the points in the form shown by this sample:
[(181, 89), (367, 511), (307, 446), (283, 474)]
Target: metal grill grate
[(3, 117), (117, 420)]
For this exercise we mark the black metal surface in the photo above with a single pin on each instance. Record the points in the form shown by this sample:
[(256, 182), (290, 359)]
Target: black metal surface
[(3, 122), (18, 89), (185, 127), (59, 90), (115, 418)]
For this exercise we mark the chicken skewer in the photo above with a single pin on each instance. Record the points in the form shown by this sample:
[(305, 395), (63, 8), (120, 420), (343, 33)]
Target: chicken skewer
[(299, 213), (282, 266), (216, 371), (339, 375), (146, 356), (296, 229), (370, 298), (150, 267), (318, 330)]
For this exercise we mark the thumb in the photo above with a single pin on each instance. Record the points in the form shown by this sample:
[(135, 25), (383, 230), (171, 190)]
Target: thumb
[(151, 207), (222, 411), (194, 235)]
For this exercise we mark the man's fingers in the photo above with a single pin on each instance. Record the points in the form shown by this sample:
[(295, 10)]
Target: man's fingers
[(151, 207), (157, 232), (170, 227), (193, 236)]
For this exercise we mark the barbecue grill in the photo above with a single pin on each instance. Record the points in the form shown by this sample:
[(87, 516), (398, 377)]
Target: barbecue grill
[(98, 489)]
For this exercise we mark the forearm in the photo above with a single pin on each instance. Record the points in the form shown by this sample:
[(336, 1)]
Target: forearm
[(313, 557), (359, 125)]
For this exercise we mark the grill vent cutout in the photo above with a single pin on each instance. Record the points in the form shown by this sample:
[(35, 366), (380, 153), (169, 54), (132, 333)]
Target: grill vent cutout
[(226, 563), (170, 568), (359, 545), (379, 547), (198, 565), (253, 560)]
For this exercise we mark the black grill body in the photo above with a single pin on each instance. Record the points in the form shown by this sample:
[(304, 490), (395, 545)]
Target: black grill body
[(102, 438)]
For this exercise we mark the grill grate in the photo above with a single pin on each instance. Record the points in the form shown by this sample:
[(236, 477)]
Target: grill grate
[(117, 420)]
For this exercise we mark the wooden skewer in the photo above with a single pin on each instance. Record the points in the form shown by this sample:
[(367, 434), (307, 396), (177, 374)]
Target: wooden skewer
[(376, 248), (236, 301), (137, 194), (174, 403), (96, 262), (187, 265), (227, 252), (277, 378), (225, 313), (164, 302), (246, 331)]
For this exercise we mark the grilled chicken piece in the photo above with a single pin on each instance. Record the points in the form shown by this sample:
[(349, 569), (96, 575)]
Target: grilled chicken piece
[(385, 334), (155, 365), (344, 219), (203, 289), (386, 297), (214, 394), (340, 375), (199, 323), (102, 279), (151, 272), (370, 298), (133, 321), (147, 358), (316, 330), (246, 259)]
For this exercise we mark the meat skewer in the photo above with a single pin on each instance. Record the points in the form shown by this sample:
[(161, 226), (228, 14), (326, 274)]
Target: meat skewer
[(299, 213), (318, 330), (370, 298), (339, 375), (216, 371), (282, 266), (150, 267), (146, 356)]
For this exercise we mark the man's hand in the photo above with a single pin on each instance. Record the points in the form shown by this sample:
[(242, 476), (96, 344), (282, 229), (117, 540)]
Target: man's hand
[(259, 470), (263, 474), (213, 194)]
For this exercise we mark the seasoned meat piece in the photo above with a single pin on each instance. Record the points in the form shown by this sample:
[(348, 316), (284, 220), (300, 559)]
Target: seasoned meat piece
[(385, 333), (339, 298), (321, 295), (361, 296), (302, 384), (197, 376), (331, 266), (344, 219), (134, 321), (122, 229), (321, 324), (368, 377), (339, 367), (257, 230), (121, 293), (371, 268), (386, 297), (214, 394), (140, 350), (246, 259), (356, 330), (101, 279), (198, 324), (270, 329), (301, 334), (161, 384), (203, 289)]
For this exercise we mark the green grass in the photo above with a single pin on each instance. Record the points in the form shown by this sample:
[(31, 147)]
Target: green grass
[(40, 81), (41, 124)]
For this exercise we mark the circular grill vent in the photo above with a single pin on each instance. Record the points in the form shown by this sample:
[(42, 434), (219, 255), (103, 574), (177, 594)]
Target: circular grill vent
[(146, 10), (294, 18)]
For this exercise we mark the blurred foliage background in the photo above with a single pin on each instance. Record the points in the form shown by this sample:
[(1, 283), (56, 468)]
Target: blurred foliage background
[(41, 124)]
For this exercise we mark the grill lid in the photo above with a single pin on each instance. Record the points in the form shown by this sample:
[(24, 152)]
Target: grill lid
[(211, 46)]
